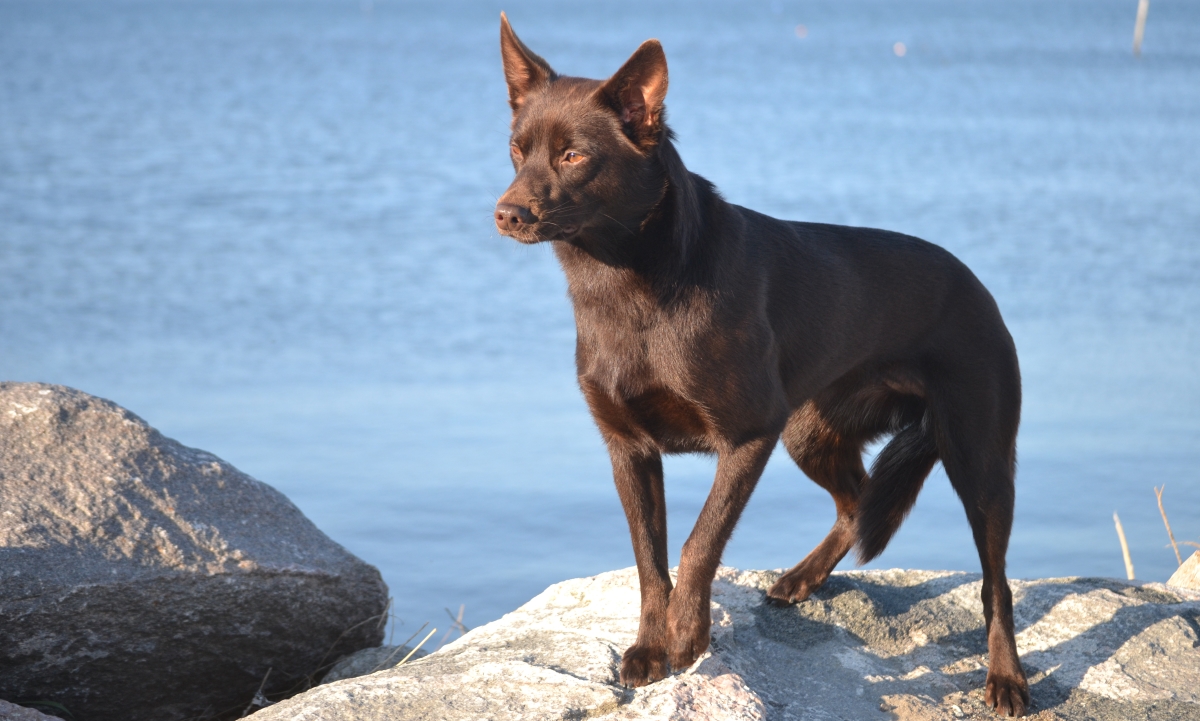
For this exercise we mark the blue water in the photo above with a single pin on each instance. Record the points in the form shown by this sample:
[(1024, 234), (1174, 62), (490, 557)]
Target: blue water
[(266, 228)]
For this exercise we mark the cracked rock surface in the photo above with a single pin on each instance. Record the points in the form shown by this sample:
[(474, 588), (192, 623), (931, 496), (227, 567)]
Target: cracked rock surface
[(142, 579), (869, 645)]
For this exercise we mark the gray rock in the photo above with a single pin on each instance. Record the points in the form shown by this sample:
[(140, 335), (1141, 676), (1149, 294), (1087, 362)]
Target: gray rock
[(910, 643), (142, 579), (370, 660), (13, 712)]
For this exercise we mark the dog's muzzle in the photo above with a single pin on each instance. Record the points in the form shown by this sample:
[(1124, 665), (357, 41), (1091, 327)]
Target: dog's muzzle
[(512, 218)]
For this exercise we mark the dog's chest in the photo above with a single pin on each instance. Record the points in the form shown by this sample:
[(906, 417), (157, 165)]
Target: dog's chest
[(635, 370), (654, 415)]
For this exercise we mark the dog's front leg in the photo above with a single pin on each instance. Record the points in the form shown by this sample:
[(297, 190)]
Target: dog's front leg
[(688, 617), (639, 477)]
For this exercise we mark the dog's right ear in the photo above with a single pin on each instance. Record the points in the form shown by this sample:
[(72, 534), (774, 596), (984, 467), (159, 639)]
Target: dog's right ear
[(524, 70)]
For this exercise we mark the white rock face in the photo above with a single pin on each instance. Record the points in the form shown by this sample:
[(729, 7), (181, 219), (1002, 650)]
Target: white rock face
[(142, 579), (910, 643), (1188, 574)]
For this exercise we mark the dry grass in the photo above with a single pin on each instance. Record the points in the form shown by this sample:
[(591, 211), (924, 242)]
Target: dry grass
[(1124, 546), (1174, 545), (262, 699), (1158, 492)]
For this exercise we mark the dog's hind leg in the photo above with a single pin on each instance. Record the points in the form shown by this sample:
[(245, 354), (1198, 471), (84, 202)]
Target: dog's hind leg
[(977, 446), (835, 463)]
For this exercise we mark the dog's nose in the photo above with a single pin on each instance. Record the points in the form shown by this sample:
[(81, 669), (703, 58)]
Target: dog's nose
[(510, 217)]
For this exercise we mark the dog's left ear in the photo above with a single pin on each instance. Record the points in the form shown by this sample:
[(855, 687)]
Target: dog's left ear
[(636, 92)]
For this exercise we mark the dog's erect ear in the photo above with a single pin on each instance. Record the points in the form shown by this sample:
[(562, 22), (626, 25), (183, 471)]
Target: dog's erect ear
[(524, 70), (637, 92)]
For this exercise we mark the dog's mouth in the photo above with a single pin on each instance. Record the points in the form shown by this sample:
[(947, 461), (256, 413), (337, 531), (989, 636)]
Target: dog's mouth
[(542, 232), (565, 232)]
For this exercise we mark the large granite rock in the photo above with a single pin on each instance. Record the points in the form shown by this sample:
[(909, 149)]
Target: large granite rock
[(142, 579), (869, 645)]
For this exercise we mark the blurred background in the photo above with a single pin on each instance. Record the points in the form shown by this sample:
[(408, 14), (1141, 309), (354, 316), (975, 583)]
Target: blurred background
[(266, 228)]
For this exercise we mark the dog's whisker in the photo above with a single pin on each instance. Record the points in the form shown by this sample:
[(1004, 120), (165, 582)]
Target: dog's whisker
[(623, 226)]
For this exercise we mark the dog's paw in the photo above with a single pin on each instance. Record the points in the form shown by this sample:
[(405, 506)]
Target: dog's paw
[(794, 586), (1007, 695), (687, 633), (643, 665)]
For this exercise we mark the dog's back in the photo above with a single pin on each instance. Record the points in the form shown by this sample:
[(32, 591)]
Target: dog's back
[(869, 333)]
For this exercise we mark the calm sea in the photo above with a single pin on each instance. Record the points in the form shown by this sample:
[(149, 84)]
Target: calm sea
[(266, 228)]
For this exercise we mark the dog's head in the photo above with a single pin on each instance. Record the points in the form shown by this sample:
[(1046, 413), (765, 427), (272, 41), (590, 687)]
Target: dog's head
[(585, 151)]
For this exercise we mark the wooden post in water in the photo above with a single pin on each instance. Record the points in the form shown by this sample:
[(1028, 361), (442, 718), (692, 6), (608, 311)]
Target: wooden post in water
[(1139, 29)]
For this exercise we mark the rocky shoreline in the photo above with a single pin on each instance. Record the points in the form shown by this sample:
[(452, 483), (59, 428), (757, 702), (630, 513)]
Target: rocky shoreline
[(870, 644), (146, 580)]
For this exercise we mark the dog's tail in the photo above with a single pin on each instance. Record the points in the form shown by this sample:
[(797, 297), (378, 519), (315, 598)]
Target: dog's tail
[(895, 479)]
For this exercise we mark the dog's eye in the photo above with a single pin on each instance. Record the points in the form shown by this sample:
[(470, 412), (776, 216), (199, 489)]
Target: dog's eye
[(571, 157)]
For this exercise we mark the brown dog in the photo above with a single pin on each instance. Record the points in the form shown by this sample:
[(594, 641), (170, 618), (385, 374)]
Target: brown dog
[(706, 327)]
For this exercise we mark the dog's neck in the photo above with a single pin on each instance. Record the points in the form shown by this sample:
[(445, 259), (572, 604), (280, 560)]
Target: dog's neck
[(662, 250)]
